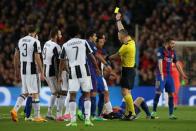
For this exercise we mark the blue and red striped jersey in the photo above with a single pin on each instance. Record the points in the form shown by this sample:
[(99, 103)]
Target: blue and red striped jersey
[(168, 56)]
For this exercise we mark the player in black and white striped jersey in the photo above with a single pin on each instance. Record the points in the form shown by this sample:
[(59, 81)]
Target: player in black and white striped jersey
[(51, 52), (27, 58), (76, 51)]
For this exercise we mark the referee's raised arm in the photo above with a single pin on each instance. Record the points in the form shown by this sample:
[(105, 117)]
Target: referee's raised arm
[(126, 53), (118, 22)]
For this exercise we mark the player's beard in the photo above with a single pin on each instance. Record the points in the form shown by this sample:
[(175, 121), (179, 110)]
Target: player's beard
[(170, 48)]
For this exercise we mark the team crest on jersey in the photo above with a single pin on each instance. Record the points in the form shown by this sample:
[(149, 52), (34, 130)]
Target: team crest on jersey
[(158, 54)]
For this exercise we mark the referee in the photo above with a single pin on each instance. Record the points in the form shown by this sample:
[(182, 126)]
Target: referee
[(127, 54)]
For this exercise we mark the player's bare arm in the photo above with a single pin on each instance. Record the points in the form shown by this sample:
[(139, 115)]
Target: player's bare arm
[(114, 56), (16, 63), (179, 67), (95, 63), (160, 65), (61, 67), (100, 57), (39, 63)]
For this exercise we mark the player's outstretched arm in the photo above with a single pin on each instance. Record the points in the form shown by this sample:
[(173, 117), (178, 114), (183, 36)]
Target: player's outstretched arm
[(179, 67), (114, 56), (118, 22), (101, 58)]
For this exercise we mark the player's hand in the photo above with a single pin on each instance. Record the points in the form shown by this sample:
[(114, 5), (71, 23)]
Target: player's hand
[(185, 76), (107, 58), (108, 68), (118, 16), (162, 77), (98, 72), (42, 77)]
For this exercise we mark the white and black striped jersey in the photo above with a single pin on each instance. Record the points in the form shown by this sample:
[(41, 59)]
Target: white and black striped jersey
[(50, 54), (27, 47), (76, 51)]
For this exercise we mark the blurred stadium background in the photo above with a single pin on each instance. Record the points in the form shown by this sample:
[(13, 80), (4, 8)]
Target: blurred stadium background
[(148, 21)]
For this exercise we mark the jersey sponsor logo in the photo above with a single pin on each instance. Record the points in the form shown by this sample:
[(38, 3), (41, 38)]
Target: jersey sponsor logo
[(168, 59)]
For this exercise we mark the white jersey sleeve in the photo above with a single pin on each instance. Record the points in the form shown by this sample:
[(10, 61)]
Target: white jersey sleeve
[(63, 53), (88, 48), (37, 46)]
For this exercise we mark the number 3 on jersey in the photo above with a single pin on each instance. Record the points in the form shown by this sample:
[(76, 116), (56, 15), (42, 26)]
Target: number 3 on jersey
[(24, 53), (76, 56)]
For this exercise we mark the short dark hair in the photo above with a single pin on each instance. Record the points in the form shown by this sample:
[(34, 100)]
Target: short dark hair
[(73, 30), (168, 39), (31, 28), (54, 32), (100, 35), (89, 33), (123, 32)]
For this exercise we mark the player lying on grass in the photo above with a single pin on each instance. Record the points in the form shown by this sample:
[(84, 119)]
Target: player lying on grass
[(118, 112)]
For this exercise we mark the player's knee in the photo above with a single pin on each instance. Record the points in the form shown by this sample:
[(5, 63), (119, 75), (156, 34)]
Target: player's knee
[(35, 95), (93, 94), (106, 93), (72, 99), (54, 93), (87, 95), (25, 95), (87, 99), (64, 93), (72, 96), (170, 94)]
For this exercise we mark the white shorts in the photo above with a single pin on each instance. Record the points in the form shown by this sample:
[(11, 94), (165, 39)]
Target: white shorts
[(84, 83), (53, 85), (31, 84), (64, 86)]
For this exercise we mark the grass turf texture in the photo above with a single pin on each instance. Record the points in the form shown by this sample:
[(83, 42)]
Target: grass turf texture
[(186, 122)]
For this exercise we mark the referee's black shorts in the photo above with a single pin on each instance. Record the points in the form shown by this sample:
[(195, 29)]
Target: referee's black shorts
[(127, 77)]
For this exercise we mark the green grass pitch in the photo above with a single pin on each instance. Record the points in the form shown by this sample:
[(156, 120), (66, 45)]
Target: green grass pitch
[(186, 122)]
